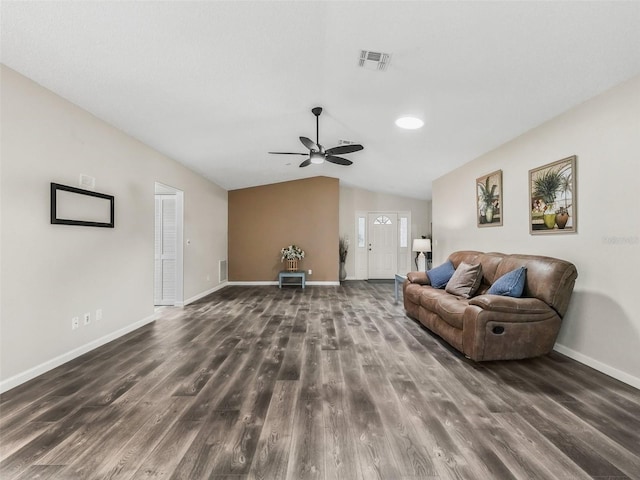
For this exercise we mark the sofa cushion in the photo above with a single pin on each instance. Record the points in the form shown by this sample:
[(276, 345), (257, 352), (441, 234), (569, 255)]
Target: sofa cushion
[(451, 309), (490, 263), (429, 297), (510, 284), (412, 293), (439, 276), (465, 280)]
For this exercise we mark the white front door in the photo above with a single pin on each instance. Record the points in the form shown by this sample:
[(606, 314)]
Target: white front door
[(383, 245), (165, 250)]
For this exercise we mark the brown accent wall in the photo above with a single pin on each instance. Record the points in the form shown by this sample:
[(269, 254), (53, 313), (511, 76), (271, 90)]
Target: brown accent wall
[(264, 219)]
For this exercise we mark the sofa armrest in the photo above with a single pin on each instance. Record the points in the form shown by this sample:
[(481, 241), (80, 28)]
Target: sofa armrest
[(498, 328), (511, 305), (419, 278)]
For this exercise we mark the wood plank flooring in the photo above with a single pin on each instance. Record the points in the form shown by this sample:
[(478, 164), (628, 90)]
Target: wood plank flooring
[(322, 383)]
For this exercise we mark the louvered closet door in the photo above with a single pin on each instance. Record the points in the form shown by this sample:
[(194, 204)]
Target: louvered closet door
[(165, 250)]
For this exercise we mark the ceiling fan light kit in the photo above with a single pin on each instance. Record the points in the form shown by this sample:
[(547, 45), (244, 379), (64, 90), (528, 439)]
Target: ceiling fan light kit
[(317, 153), (316, 158)]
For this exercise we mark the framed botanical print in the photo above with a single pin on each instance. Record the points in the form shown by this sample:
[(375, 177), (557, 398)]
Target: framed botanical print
[(489, 199), (552, 198)]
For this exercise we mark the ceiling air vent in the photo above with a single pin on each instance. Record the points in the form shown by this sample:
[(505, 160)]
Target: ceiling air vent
[(374, 60)]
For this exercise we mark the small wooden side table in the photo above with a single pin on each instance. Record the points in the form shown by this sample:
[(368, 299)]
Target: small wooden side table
[(301, 274)]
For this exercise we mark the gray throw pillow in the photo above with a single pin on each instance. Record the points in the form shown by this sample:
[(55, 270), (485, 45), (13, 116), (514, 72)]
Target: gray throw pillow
[(465, 280)]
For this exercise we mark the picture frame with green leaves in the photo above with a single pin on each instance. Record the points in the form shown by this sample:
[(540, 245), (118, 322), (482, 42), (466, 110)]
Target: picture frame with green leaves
[(553, 198), (489, 199)]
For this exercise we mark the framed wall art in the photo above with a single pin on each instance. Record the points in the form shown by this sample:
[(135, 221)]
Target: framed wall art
[(552, 198), (75, 206), (489, 200)]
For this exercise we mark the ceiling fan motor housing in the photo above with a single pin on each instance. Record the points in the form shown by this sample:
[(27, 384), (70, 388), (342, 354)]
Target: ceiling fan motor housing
[(317, 157), (317, 153)]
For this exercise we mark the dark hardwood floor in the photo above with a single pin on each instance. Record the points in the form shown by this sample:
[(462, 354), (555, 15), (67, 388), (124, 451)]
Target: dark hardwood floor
[(326, 383)]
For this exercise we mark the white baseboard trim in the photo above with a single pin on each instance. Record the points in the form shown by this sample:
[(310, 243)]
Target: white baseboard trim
[(597, 365), (32, 373), (203, 294), (328, 283)]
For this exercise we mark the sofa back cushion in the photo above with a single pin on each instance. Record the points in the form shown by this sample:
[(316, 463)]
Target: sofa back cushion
[(467, 256), (490, 263), (548, 279)]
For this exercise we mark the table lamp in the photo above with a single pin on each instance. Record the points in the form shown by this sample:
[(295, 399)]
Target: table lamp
[(421, 245)]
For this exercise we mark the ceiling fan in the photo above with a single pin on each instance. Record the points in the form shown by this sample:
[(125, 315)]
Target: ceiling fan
[(317, 153)]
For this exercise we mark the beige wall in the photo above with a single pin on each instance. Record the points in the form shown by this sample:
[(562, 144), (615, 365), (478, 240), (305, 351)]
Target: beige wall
[(51, 273), (354, 200), (602, 326), (264, 219)]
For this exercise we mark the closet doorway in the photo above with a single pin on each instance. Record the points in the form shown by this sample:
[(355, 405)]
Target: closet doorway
[(168, 254)]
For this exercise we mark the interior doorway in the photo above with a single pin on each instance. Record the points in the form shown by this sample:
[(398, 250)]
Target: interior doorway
[(168, 250), (383, 245)]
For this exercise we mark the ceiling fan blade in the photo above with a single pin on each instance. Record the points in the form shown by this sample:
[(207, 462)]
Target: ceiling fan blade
[(338, 160), (344, 149), (307, 142), (288, 153), (306, 163)]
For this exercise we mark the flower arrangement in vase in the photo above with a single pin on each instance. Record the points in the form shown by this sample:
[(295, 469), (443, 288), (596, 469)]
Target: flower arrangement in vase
[(292, 254)]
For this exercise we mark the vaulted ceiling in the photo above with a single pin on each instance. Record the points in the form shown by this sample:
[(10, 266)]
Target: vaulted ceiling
[(216, 85)]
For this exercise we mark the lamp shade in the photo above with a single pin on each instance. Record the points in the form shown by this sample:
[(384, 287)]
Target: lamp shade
[(421, 245)]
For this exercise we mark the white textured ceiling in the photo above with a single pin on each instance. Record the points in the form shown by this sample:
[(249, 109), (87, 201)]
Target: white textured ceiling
[(216, 85)]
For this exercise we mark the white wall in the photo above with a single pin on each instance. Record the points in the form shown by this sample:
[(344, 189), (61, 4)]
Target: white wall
[(50, 273), (354, 200), (602, 326)]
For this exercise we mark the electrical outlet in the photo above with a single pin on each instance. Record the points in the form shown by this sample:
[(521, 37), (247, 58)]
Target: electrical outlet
[(87, 318), (208, 278), (98, 315), (75, 323), (310, 271)]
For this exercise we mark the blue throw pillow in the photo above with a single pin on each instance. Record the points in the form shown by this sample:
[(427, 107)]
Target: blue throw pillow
[(440, 276), (510, 284)]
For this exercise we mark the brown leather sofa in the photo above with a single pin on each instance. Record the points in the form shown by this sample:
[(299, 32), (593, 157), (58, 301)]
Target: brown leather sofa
[(492, 327)]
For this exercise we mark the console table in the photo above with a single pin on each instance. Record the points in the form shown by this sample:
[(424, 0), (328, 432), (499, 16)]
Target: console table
[(287, 274)]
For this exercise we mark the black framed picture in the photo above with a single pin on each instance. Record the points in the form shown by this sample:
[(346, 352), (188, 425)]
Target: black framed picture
[(75, 206)]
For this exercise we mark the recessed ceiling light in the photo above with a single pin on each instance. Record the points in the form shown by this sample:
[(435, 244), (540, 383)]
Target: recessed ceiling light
[(410, 123)]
